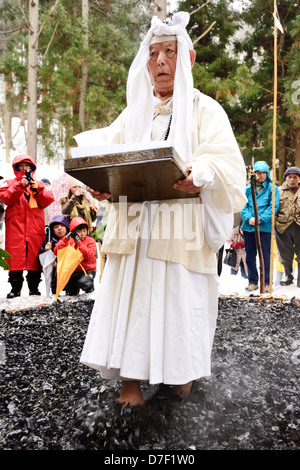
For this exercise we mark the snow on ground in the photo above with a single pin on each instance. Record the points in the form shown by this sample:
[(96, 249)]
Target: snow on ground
[(234, 285), (229, 285)]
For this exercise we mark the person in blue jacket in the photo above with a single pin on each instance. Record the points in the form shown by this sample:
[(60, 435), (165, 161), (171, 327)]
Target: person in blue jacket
[(263, 190)]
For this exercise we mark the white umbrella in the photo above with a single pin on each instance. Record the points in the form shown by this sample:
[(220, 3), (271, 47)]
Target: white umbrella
[(47, 260)]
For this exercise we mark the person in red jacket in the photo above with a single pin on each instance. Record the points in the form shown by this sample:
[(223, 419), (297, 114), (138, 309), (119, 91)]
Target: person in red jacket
[(78, 237), (26, 200)]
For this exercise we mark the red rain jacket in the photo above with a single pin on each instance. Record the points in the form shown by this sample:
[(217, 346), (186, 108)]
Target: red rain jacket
[(87, 247), (24, 226)]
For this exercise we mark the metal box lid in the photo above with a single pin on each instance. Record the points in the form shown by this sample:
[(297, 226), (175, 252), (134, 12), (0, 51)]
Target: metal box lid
[(140, 173)]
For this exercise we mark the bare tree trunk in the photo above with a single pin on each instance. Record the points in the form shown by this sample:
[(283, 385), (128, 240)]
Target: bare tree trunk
[(32, 78), (84, 65), (7, 121), (161, 9), (7, 133)]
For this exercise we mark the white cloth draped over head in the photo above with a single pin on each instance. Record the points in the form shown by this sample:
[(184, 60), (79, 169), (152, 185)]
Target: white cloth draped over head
[(200, 131), (140, 89)]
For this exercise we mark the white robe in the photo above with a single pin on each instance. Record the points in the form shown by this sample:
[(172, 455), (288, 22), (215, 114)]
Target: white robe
[(155, 319)]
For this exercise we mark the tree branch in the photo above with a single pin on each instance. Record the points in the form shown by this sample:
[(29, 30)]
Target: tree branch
[(199, 8), (13, 30), (13, 136), (49, 43), (43, 24), (23, 13), (204, 34)]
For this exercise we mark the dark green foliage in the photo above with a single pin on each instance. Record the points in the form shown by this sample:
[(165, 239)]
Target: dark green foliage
[(112, 42), (235, 65), (4, 254), (258, 48)]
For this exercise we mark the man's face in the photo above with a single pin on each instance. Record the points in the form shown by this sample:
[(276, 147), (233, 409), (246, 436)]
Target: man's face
[(23, 166), (162, 66), (261, 176), (293, 180)]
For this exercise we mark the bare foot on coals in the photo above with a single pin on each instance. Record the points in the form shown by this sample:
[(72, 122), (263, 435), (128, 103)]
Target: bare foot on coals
[(131, 394), (182, 391)]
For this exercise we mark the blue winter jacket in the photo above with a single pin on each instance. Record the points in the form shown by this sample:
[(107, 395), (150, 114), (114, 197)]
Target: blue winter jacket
[(264, 203)]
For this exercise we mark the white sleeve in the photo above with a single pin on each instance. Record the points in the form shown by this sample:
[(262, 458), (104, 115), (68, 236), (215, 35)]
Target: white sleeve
[(218, 166), (113, 134)]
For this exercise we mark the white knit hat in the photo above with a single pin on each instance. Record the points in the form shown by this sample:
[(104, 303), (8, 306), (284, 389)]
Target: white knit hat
[(140, 89), (72, 182)]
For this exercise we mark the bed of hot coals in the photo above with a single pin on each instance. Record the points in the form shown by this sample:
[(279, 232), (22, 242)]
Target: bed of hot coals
[(49, 401)]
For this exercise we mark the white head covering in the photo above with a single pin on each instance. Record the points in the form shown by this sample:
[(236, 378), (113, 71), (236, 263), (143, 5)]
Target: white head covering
[(140, 89)]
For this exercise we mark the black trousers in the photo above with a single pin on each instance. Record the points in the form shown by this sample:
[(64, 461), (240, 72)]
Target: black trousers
[(16, 280), (79, 280), (288, 244), (251, 253)]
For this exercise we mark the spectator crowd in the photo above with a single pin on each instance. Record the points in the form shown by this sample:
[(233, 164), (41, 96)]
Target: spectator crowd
[(255, 229), (24, 204), (24, 216)]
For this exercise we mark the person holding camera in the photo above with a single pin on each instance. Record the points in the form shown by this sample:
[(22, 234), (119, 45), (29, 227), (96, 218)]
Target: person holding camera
[(76, 204), (26, 200)]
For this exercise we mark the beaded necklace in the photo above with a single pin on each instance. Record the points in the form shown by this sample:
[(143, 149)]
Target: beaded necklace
[(168, 129)]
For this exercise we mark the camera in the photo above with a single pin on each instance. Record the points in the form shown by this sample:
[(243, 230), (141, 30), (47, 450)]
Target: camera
[(28, 176)]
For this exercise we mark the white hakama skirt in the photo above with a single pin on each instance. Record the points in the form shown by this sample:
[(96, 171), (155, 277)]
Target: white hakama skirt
[(152, 320)]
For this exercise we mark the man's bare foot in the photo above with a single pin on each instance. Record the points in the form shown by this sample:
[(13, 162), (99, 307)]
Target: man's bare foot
[(131, 394), (182, 391)]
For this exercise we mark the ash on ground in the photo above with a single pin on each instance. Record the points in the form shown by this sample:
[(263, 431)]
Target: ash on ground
[(49, 401)]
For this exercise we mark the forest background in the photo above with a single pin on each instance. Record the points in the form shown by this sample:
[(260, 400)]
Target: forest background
[(64, 66)]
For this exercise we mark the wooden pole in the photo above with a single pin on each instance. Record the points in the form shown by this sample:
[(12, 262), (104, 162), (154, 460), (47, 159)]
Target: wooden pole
[(257, 235), (274, 147)]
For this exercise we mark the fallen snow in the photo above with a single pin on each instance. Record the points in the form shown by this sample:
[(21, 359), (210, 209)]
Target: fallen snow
[(229, 285)]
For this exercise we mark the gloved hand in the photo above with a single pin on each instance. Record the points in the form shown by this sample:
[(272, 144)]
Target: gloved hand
[(34, 186), (75, 236), (237, 245)]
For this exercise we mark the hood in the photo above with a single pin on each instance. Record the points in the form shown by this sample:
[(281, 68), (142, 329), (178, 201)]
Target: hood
[(59, 219), (262, 166), (76, 222), (23, 158)]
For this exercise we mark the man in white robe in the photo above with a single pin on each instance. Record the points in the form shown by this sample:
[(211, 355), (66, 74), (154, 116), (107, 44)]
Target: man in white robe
[(155, 317)]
